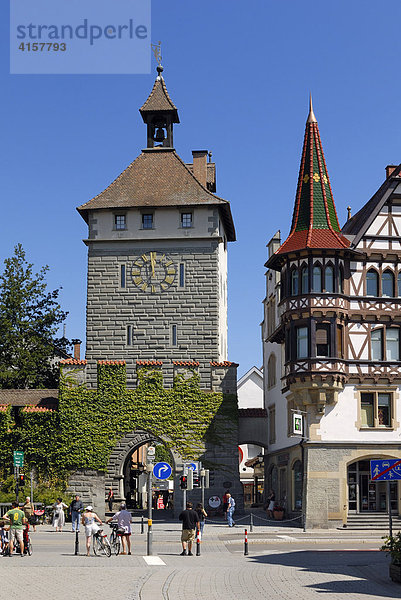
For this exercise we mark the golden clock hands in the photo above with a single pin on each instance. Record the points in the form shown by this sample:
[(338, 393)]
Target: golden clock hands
[(153, 262)]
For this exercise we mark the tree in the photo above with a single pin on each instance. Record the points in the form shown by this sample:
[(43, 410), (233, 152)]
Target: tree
[(29, 319)]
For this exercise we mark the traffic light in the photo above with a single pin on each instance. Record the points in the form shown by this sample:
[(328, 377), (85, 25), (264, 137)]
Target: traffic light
[(207, 478), (211, 478), (196, 480), (190, 480), (183, 482), (21, 479)]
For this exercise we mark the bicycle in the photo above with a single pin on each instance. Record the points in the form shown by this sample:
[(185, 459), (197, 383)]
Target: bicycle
[(101, 544), (115, 538)]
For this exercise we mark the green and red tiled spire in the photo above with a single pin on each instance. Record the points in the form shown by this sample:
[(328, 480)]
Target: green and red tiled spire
[(314, 222)]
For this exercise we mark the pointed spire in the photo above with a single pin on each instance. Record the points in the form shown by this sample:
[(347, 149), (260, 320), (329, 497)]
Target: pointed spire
[(311, 117), (314, 221)]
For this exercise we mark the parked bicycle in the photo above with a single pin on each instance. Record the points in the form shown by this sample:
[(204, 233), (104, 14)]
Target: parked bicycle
[(115, 537), (101, 545)]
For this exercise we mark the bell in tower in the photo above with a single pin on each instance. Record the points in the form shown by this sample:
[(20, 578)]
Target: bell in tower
[(159, 113)]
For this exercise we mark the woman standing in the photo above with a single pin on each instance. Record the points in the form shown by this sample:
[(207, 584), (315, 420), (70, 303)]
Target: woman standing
[(270, 503), (58, 514), (201, 514), (110, 498), (88, 519), (29, 512)]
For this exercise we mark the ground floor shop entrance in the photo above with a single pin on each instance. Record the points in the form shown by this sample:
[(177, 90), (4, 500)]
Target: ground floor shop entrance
[(365, 495)]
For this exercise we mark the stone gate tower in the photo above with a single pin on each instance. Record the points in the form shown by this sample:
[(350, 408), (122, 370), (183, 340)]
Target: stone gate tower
[(157, 256)]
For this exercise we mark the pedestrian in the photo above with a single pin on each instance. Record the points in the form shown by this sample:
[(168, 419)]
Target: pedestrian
[(76, 507), (225, 504), (230, 510), (270, 503), (58, 514), (124, 520), (89, 519), (17, 521), (110, 498), (29, 512), (202, 514), (190, 521)]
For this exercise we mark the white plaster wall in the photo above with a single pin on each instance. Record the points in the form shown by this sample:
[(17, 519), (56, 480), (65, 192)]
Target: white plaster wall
[(250, 390), (167, 224), (338, 422), (377, 223)]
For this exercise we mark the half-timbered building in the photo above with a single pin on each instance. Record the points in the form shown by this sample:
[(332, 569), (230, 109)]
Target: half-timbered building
[(331, 344)]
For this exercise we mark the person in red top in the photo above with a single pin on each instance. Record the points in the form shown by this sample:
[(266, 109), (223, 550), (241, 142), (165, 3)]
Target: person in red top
[(225, 504), (110, 498)]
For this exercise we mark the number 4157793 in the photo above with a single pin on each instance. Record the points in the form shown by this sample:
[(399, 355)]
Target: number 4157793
[(42, 47)]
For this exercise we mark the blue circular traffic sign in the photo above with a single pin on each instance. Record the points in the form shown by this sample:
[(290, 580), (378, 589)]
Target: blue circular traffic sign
[(162, 470)]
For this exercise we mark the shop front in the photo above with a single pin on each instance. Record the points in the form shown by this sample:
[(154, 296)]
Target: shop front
[(365, 495)]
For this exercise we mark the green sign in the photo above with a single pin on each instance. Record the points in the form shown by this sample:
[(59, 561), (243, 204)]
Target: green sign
[(18, 458)]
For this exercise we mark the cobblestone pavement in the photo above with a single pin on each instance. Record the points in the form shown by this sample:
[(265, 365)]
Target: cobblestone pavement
[(282, 564)]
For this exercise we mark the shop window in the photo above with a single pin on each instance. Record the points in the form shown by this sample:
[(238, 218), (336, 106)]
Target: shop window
[(323, 340), (317, 280), (329, 279), (372, 283), (376, 409), (302, 342), (294, 282), (305, 280), (388, 284)]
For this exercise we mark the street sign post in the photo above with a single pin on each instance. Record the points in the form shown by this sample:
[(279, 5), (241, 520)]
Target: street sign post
[(386, 470), (162, 470), (18, 458)]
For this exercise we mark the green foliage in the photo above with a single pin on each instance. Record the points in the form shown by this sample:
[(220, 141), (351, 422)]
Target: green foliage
[(89, 423), (45, 491), (392, 546), (29, 319)]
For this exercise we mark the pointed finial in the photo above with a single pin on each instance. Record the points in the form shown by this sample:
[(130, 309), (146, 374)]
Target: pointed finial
[(311, 117), (349, 212)]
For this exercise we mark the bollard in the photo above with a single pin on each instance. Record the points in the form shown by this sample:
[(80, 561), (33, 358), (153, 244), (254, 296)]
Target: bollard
[(198, 541), (142, 529), (76, 542), (246, 543), (251, 523)]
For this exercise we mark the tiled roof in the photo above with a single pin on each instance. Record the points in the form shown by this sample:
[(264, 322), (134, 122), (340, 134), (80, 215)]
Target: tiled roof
[(314, 221), (45, 398), (158, 177), (73, 361), (252, 413), (225, 363), (185, 363), (149, 363), (36, 409), (111, 362), (159, 100)]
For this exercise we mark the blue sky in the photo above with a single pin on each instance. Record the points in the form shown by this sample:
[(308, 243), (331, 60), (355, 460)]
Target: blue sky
[(240, 74)]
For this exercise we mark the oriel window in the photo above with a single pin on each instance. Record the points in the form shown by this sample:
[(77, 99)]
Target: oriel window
[(317, 280), (294, 282)]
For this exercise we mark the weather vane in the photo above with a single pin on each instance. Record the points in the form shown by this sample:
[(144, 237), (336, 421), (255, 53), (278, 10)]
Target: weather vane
[(157, 51)]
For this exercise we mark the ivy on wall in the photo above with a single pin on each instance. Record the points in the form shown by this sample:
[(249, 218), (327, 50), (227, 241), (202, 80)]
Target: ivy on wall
[(89, 423)]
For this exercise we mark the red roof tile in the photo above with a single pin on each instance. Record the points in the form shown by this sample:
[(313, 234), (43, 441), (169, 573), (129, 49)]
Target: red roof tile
[(225, 363), (149, 363), (185, 363), (72, 361), (111, 362)]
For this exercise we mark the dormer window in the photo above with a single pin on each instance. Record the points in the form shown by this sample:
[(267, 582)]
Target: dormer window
[(120, 222), (186, 220)]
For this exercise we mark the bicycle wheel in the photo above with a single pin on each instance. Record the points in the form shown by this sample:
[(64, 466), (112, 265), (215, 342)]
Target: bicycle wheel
[(29, 547), (106, 546), (115, 544), (97, 548)]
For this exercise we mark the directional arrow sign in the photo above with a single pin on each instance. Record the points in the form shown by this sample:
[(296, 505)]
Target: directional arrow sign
[(162, 470), (385, 470)]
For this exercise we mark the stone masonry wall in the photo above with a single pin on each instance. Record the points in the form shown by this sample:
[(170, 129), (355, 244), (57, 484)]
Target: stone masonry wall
[(193, 308), (90, 485)]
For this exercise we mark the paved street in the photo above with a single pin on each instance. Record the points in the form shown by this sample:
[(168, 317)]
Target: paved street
[(283, 563)]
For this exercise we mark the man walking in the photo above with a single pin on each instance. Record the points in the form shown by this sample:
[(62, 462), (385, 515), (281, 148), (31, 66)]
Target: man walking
[(190, 521), (230, 510), (76, 507), (17, 522)]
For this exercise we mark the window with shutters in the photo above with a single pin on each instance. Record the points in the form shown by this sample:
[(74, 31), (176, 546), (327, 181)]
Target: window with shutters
[(323, 339)]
